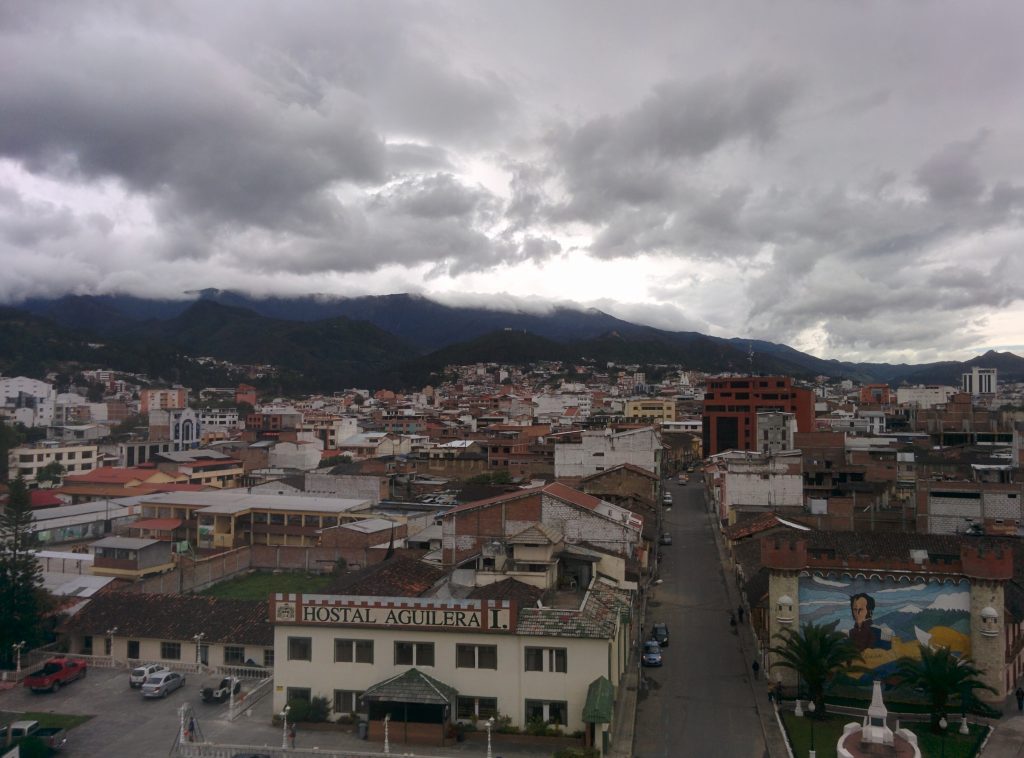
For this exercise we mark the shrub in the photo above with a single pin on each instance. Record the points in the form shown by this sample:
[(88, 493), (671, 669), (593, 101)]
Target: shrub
[(319, 710)]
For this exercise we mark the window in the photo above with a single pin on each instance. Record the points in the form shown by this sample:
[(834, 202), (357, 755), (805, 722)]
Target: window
[(87, 645), (108, 645), (546, 659), (476, 656), (300, 648), (353, 651), (133, 649), (547, 711), (347, 701), (414, 653), (170, 651), (298, 693), (479, 707), (234, 655), (268, 657)]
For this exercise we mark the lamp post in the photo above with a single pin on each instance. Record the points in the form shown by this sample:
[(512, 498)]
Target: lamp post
[(489, 725), (18, 646), (942, 725), (110, 641), (387, 743), (199, 645), (284, 726), (810, 717)]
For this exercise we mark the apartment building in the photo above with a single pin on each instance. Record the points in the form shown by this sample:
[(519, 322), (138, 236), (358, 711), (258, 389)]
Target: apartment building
[(731, 405), (26, 460)]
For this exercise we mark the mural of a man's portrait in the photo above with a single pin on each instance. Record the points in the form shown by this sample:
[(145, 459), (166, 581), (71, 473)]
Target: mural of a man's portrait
[(886, 620)]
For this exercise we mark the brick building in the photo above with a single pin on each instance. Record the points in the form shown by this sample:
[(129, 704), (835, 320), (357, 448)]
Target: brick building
[(731, 405)]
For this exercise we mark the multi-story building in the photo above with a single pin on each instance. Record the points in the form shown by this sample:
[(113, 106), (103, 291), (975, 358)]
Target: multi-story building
[(731, 405), (651, 409), (155, 399), (979, 381), (25, 461), (27, 401), (599, 450), (924, 396)]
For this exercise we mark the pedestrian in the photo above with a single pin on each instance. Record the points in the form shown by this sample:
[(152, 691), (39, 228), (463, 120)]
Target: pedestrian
[(291, 735), (190, 734), (771, 692), (739, 612), (755, 667), (1019, 694), (732, 620)]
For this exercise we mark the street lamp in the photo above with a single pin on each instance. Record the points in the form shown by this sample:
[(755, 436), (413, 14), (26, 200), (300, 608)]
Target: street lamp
[(489, 725), (110, 641), (942, 725), (810, 717), (18, 646), (199, 644), (284, 726), (387, 743)]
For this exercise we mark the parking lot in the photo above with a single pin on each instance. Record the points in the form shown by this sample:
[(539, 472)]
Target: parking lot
[(127, 725)]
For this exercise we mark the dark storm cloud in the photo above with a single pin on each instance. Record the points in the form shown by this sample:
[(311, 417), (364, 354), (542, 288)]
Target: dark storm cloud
[(632, 159)]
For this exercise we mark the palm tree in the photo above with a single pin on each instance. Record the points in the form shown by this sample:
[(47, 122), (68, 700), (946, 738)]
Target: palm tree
[(817, 653), (941, 675)]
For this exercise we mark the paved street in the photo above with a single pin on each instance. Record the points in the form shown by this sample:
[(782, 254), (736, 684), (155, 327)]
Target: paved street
[(700, 703)]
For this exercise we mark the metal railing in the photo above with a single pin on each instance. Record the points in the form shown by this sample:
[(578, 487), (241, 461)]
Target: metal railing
[(209, 750), (244, 701)]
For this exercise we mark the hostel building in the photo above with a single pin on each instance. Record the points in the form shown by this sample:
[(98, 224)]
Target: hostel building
[(429, 662)]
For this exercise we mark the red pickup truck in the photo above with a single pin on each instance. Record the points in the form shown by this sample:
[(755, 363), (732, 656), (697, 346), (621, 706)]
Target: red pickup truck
[(54, 673)]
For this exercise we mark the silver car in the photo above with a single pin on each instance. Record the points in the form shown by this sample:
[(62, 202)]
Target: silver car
[(162, 683)]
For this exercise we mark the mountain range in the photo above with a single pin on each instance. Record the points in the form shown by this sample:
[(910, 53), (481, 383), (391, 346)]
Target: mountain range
[(399, 341)]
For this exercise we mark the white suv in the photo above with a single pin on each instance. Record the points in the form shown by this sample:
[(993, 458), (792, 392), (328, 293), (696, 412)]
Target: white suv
[(139, 675)]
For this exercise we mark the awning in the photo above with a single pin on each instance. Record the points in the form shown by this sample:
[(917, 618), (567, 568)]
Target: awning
[(600, 699), (156, 524), (411, 687)]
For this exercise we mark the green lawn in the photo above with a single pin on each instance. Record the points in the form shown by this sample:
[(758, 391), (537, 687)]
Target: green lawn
[(828, 731), (63, 720), (261, 584)]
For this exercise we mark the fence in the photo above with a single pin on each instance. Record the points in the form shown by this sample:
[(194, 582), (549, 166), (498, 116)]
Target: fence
[(29, 662), (193, 575)]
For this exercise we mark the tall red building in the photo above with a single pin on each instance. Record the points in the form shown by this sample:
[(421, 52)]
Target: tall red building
[(731, 405)]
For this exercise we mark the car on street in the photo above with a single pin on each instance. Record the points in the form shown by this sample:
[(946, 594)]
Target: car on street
[(665, 539), (162, 684), (140, 674), (666, 499), (652, 653), (659, 633)]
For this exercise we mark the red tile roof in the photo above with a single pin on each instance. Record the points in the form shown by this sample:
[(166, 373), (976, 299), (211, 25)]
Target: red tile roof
[(43, 499)]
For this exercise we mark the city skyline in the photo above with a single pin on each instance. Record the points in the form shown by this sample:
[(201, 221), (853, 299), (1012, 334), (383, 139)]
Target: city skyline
[(839, 178)]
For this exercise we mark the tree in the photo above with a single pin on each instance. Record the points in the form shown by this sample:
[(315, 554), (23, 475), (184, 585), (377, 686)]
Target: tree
[(10, 437), (942, 675), (21, 579), (51, 472), (817, 653)]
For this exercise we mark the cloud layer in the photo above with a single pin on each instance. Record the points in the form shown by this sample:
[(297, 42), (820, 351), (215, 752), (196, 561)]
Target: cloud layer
[(817, 175)]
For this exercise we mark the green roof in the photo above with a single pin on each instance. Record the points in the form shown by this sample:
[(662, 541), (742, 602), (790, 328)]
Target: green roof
[(411, 687), (600, 699)]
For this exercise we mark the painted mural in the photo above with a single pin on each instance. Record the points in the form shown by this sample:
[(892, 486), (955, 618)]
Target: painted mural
[(887, 620)]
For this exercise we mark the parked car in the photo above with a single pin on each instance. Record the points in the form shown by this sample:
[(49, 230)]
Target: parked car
[(659, 632), (162, 684), (217, 689), (140, 674), (55, 673), (54, 737), (665, 539), (652, 653)]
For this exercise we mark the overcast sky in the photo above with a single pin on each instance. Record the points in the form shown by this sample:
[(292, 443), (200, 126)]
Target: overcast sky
[(844, 177)]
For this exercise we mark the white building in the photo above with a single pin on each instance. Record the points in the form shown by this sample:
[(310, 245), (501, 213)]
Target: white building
[(979, 381), (925, 396), (26, 461), (27, 401), (600, 450), (479, 658)]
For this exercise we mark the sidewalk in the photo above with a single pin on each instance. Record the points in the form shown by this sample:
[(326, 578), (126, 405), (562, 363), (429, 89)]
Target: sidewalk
[(773, 739), (625, 712)]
